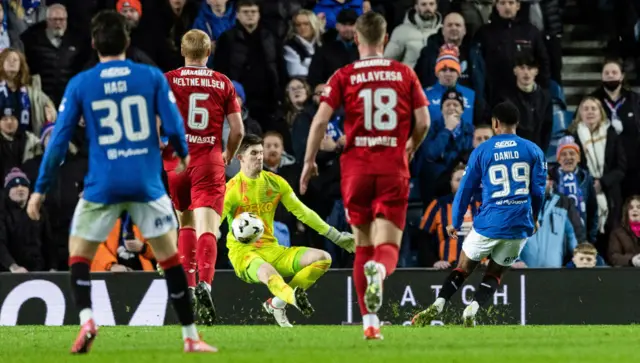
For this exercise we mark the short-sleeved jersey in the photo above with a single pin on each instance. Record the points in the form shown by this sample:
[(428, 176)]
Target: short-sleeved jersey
[(204, 97), (379, 96), (119, 101), (261, 197), (513, 175)]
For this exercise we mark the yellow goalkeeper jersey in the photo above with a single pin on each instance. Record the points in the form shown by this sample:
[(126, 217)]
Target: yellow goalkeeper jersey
[(261, 196)]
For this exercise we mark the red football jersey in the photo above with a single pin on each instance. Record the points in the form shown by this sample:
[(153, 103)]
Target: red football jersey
[(204, 97), (379, 97)]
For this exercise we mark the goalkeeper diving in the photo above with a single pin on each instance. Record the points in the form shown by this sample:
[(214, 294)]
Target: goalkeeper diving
[(265, 261)]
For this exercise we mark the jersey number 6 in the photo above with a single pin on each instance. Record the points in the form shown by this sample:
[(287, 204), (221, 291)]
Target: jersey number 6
[(111, 120), (194, 111), (499, 176)]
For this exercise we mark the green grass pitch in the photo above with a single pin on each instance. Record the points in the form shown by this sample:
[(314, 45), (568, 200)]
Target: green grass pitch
[(322, 344)]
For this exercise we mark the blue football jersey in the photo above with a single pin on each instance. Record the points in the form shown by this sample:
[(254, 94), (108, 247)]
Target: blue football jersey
[(512, 172), (119, 101)]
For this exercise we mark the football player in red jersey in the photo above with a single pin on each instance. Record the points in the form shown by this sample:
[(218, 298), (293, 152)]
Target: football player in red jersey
[(380, 97), (204, 98)]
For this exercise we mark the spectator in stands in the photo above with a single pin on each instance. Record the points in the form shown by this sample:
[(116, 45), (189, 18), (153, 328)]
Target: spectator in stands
[(481, 134), (408, 39), (251, 126), (622, 107), (624, 243), (552, 31), (26, 12), (501, 40), (24, 97), (560, 231), (16, 146), (603, 155), (64, 194), (476, 13), (296, 96), (9, 33), (330, 10), (305, 36), (53, 53), (25, 244), (533, 102), (181, 17), (472, 66), (585, 255), (251, 55), (276, 15), (436, 219), (576, 183), (215, 18), (448, 72), (337, 50), (448, 139), (124, 250)]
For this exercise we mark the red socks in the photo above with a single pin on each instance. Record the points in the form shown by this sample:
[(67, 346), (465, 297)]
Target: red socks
[(206, 255), (363, 254), (387, 255), (187, 250)]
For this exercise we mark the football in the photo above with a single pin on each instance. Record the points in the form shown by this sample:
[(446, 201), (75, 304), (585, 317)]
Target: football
[(247, 228)]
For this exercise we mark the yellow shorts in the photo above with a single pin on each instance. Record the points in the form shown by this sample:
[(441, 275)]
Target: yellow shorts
[(247, 258)]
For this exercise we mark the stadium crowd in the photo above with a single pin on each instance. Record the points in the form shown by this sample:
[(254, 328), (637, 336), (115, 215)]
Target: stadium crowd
[(468, 54)]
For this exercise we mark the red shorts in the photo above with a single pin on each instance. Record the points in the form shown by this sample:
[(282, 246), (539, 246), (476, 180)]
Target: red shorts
[(197, 187), (369, 196)]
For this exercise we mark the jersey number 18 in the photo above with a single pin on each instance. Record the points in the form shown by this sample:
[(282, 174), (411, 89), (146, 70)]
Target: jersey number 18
[(379, 108)]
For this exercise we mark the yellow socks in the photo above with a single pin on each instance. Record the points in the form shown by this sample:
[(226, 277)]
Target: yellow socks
[(310, 274), (280, 289)]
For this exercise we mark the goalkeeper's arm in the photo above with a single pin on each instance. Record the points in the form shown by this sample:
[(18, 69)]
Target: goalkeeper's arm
[(313, 220)]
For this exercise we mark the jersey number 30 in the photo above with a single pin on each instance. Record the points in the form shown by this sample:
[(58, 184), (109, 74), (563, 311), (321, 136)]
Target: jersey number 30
[(111, 120), (379, 108), (499, 176)]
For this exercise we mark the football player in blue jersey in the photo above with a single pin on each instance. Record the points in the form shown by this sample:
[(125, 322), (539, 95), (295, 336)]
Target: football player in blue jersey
[(512, 172), (119, 101)]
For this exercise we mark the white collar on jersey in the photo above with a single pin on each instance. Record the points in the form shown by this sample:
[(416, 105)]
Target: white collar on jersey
[(372, 57)]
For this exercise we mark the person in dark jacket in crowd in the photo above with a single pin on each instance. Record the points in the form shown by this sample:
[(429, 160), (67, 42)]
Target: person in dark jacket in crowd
[(304, 38), (215, 17), (501, 40), (64, 195), (533, 102), (448, 140), (251, 55), (53, 52), (16, 145), (180, 18), (472, 67), (338, 49), (622, 107), (624, 243), (331, 10), (25, 245)]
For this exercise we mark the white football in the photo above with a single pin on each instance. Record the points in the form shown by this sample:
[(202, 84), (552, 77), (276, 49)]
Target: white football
[(247, 228)]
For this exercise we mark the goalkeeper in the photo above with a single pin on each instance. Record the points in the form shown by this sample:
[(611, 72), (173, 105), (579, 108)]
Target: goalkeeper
[(259, 192)]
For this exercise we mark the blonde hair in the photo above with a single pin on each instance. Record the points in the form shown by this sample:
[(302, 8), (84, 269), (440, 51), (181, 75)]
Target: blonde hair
[(585, 248), (371, 28), (195, 44), (577, 120), (316, 25)]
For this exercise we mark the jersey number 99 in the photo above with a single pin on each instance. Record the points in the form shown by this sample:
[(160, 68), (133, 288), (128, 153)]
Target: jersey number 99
[(499, 176), (111, 120), (379, 108)]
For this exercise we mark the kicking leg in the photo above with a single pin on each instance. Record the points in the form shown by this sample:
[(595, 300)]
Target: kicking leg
[(450, 286), (364, 253), (310, 265), (207, 222), (484, 291)]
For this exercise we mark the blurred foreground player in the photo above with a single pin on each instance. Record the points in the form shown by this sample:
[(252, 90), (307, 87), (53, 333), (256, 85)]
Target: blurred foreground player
[(119, 101), (380, 97), (512, 173), (258, 191), (204, 98)]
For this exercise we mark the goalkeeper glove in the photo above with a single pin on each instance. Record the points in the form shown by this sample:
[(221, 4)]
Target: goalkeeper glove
[(342, 239)]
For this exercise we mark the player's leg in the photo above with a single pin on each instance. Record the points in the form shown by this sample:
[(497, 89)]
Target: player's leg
[(503, 256), (306, 265), (180, 192), (90, 226), (158, 224), (474, 248), (365, 252)]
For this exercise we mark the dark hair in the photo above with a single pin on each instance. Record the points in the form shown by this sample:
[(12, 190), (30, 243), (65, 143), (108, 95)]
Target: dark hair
[(109, 33), (506, 113), (616, 61), (484, 126), (246, 3), (525, 58), (249, 140), (625, 209)]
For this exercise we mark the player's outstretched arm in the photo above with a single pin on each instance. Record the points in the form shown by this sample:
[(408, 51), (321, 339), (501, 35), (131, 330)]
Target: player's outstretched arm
[(312, 219), (471, 180), (68, 117), (316, 133)]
